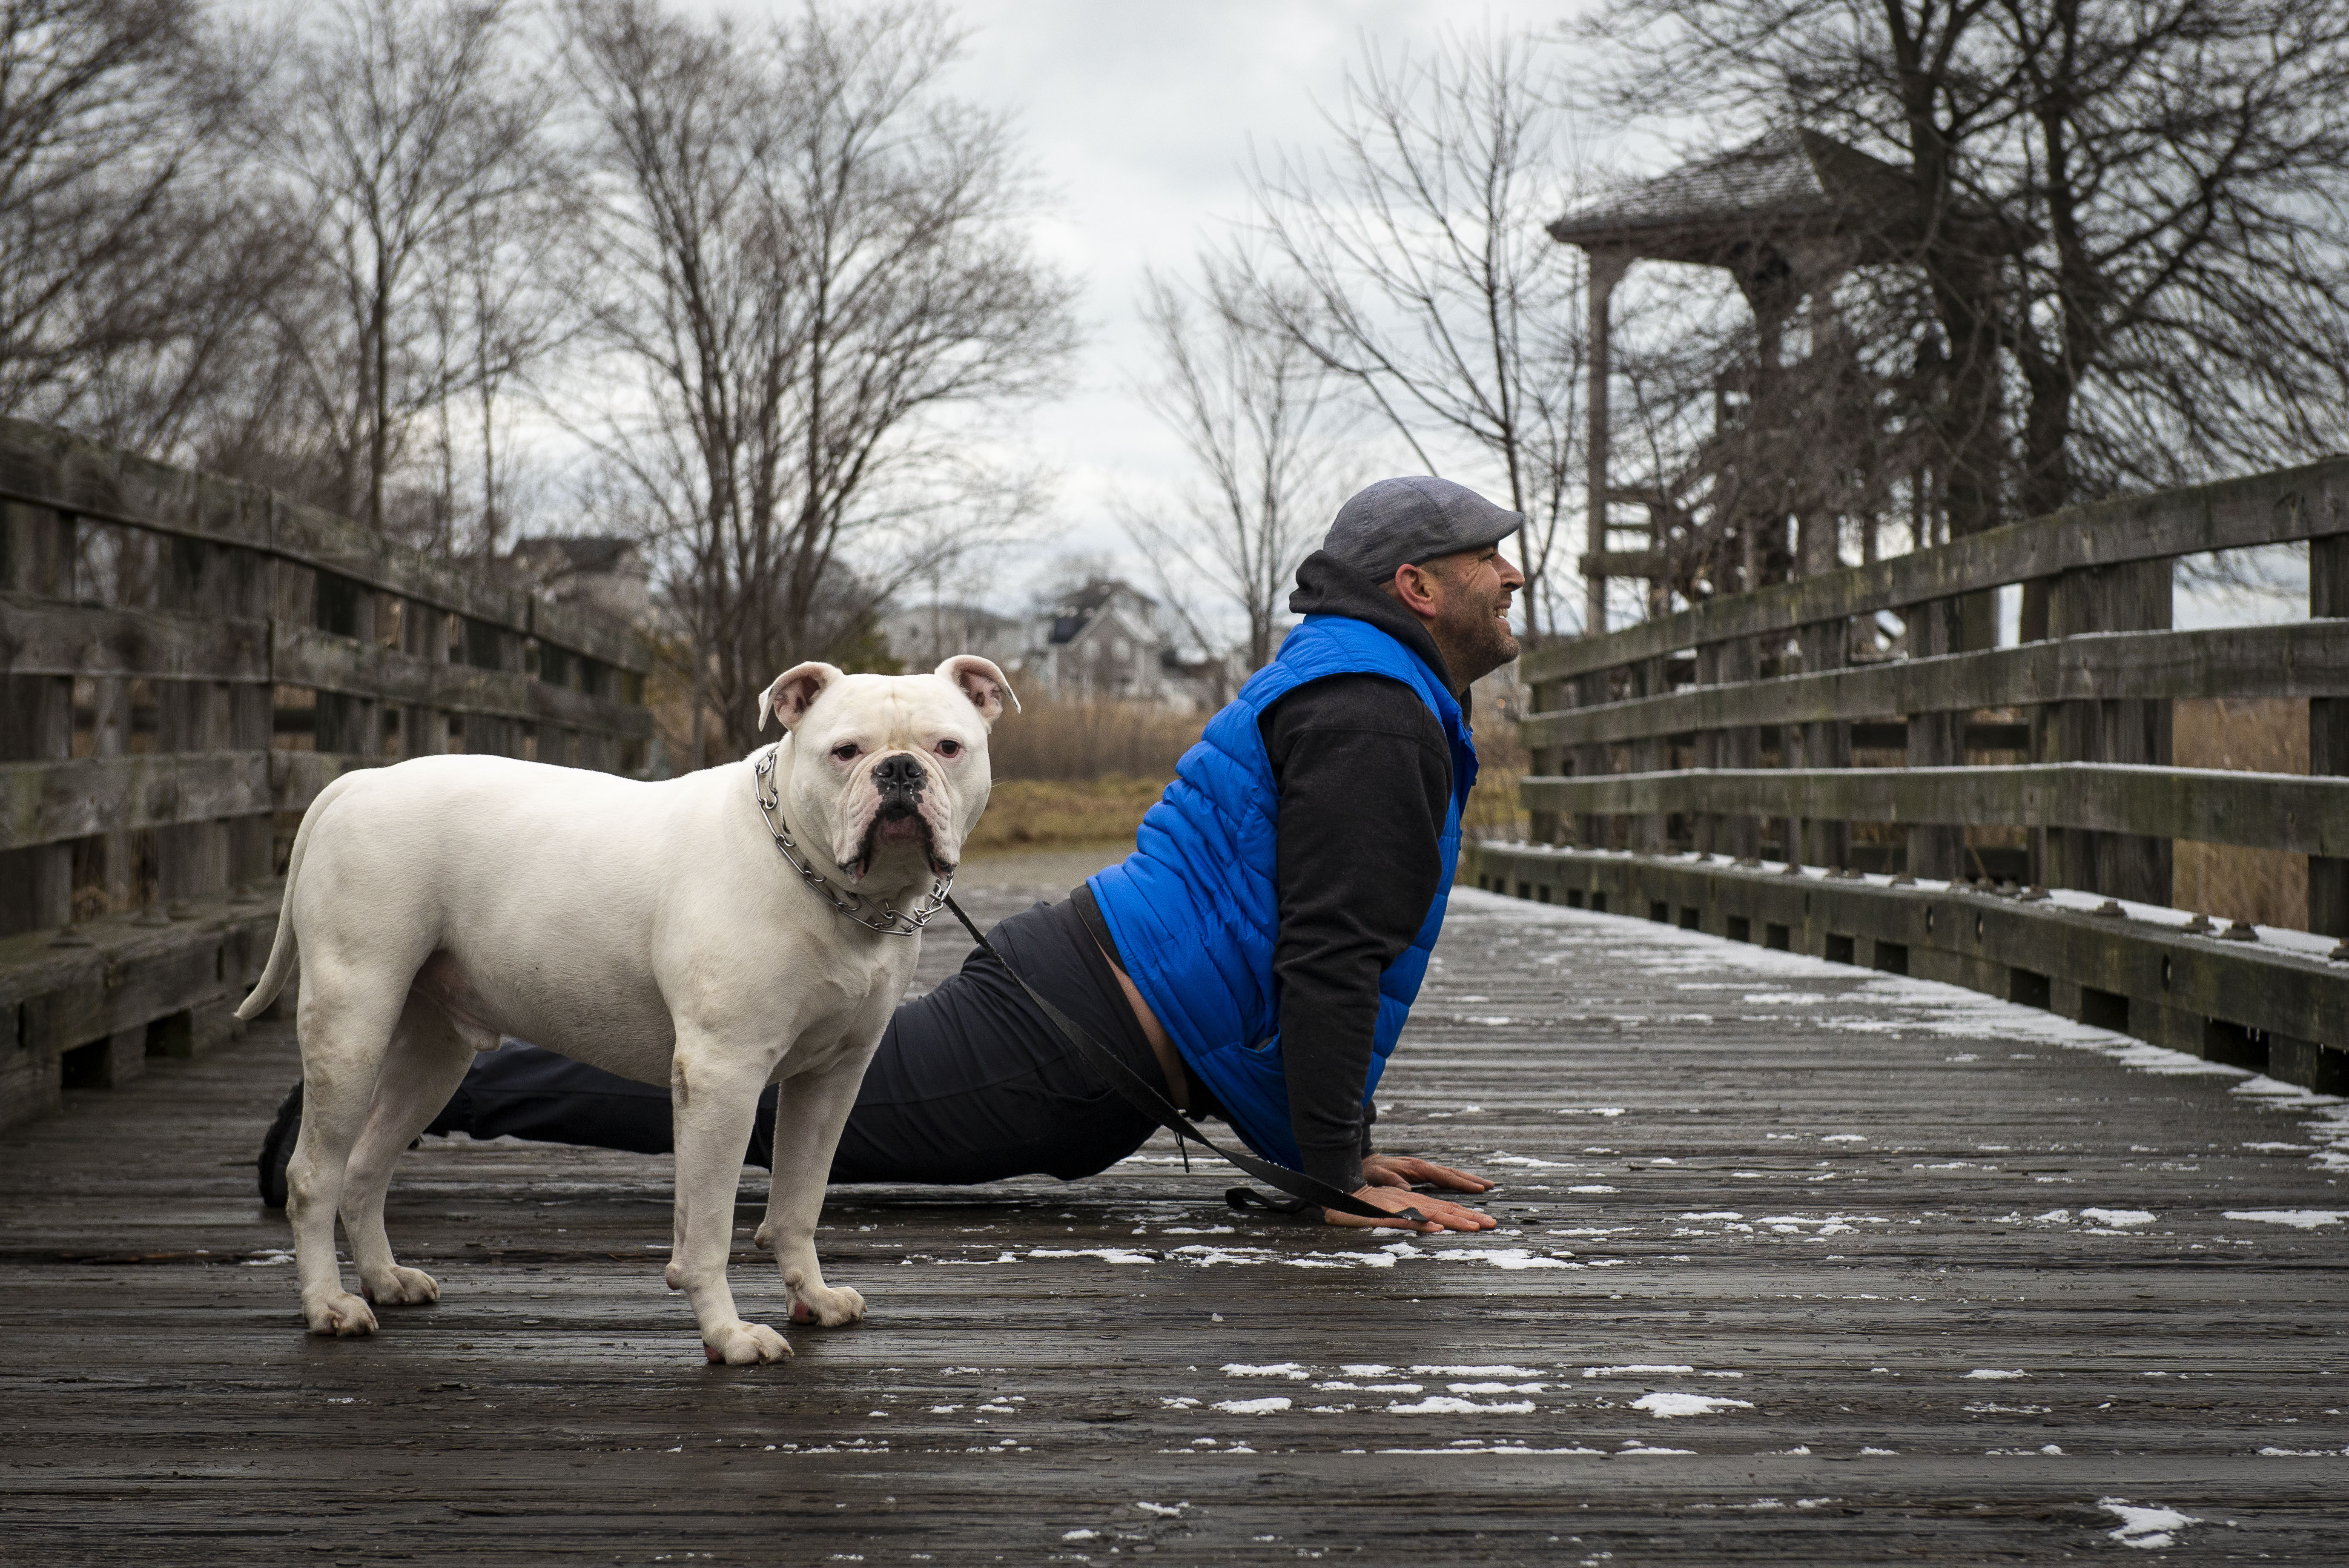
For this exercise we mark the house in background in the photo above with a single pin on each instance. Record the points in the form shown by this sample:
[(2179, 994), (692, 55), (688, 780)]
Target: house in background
[(923, 637), (1101, 641), (595, 570)]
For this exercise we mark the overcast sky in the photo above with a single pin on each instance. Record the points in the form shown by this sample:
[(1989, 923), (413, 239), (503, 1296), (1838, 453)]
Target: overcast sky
[(1139, 116)]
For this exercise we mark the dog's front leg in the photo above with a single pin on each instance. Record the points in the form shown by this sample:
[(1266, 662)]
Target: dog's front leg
[(810, 1111), (714, 1094)]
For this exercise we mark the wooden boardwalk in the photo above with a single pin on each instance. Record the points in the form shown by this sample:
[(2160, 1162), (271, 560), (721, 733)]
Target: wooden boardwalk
[(1800, 1263)]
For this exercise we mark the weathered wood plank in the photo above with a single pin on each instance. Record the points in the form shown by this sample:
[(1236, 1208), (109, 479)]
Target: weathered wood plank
[(2176, 983), (42, 467), (307, 657), (2307, 502), (43, 637), (2267, 810), (2300, 659), (47, 802)]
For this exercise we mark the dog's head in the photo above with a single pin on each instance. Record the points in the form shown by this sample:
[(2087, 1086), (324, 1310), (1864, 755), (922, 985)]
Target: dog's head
[(887, 774)]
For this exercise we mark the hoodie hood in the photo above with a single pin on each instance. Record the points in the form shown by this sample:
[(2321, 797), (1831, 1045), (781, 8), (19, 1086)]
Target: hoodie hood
[(1327, 587)]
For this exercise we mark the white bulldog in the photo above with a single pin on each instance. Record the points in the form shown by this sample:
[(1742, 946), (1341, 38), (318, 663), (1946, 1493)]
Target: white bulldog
[(653, 930)]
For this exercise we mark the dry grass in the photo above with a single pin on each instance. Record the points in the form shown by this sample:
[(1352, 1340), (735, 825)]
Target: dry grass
[(1080, 739), (2266, 734), (1493, 810), (1062, 814)]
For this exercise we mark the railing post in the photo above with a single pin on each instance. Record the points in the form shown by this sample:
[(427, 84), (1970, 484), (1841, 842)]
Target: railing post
[(1543, 761), (1826, 646), (2134, 596), (191, 858), (1709, 832), (36, 553), (1649, 754), (248, 591), (2328, 734), (1592, 830), (1935, 740), (1740, 746)]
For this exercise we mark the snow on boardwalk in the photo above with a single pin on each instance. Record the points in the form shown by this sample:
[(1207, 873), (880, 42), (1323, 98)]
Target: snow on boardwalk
[(1799, 1264)]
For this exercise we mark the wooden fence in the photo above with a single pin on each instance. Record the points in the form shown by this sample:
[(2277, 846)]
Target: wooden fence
[(1671, 758), (186, 662)]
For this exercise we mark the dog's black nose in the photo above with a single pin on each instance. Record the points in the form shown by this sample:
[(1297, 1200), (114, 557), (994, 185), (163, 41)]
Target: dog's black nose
[(901, 774)]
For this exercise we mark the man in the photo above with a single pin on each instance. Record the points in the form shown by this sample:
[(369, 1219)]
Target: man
[(1257, 954)]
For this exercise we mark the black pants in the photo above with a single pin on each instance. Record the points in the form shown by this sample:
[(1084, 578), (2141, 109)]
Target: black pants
[(972, 1083)]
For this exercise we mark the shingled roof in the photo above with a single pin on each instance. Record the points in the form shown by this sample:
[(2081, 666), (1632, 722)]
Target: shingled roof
[(1789, 183)]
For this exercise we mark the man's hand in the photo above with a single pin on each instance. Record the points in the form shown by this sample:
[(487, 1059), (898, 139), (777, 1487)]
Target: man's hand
[(1440, 1214), (1401, 1171)]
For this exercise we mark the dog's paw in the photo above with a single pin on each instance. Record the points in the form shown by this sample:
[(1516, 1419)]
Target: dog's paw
[(402, 1287), (341, 1316), (745, 1345), (823, 1305)]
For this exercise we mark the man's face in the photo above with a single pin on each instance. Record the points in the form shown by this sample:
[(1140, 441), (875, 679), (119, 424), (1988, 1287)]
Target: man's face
[(1472, 591)]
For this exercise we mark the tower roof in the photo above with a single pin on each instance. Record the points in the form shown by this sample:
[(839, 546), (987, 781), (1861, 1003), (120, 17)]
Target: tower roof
[(1791, 185)]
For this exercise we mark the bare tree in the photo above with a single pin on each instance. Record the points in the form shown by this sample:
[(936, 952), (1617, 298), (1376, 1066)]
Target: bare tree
[(402, 128), (817, 280), (505, 303), (1256, 410), (128, 255), (1411, 259), (2132, 221)]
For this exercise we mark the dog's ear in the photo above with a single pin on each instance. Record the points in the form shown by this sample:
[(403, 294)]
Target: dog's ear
[(794, 692), (980, 681)]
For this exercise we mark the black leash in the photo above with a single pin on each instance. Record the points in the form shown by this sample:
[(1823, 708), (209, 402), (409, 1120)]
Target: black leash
[(1309, 1190)]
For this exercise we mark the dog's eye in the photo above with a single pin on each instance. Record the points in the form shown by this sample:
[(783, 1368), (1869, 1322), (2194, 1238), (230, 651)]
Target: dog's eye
[(846, 750), (949, 748)]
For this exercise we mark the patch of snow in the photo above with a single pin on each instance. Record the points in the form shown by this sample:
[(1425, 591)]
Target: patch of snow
[(1474, 1372), (1989, 1374), (1665, 1406), (1640, 1371), (1253, 1406), (2117, 1216), (2299, 1219), (1288, 1369), (1106, 1254), (2152, 1529), (1445, 1405)]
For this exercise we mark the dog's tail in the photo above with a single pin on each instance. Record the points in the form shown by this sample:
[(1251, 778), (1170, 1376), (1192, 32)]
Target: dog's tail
[(282, 949)]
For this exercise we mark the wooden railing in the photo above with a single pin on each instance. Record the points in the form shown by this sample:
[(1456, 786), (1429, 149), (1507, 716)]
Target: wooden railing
[(1741, 729), (186, 662)]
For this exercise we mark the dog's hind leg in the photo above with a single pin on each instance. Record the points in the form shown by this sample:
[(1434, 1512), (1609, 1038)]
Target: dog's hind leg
[(714, 1095), (344, 1023), (810, 1111), (426, 1061)]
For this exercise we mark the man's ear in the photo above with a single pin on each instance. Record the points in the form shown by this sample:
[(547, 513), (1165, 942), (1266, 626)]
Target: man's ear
[(1418, 588), (980, 681), (794, 692)]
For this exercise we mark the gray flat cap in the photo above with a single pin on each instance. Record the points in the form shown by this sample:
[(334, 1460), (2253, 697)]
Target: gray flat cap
[(1406, 522)]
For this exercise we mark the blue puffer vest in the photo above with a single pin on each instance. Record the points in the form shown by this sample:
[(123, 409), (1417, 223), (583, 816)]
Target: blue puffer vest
[(1195, 909)]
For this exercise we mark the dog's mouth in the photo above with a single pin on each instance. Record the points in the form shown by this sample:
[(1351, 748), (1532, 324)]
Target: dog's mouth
[(898, 822)]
